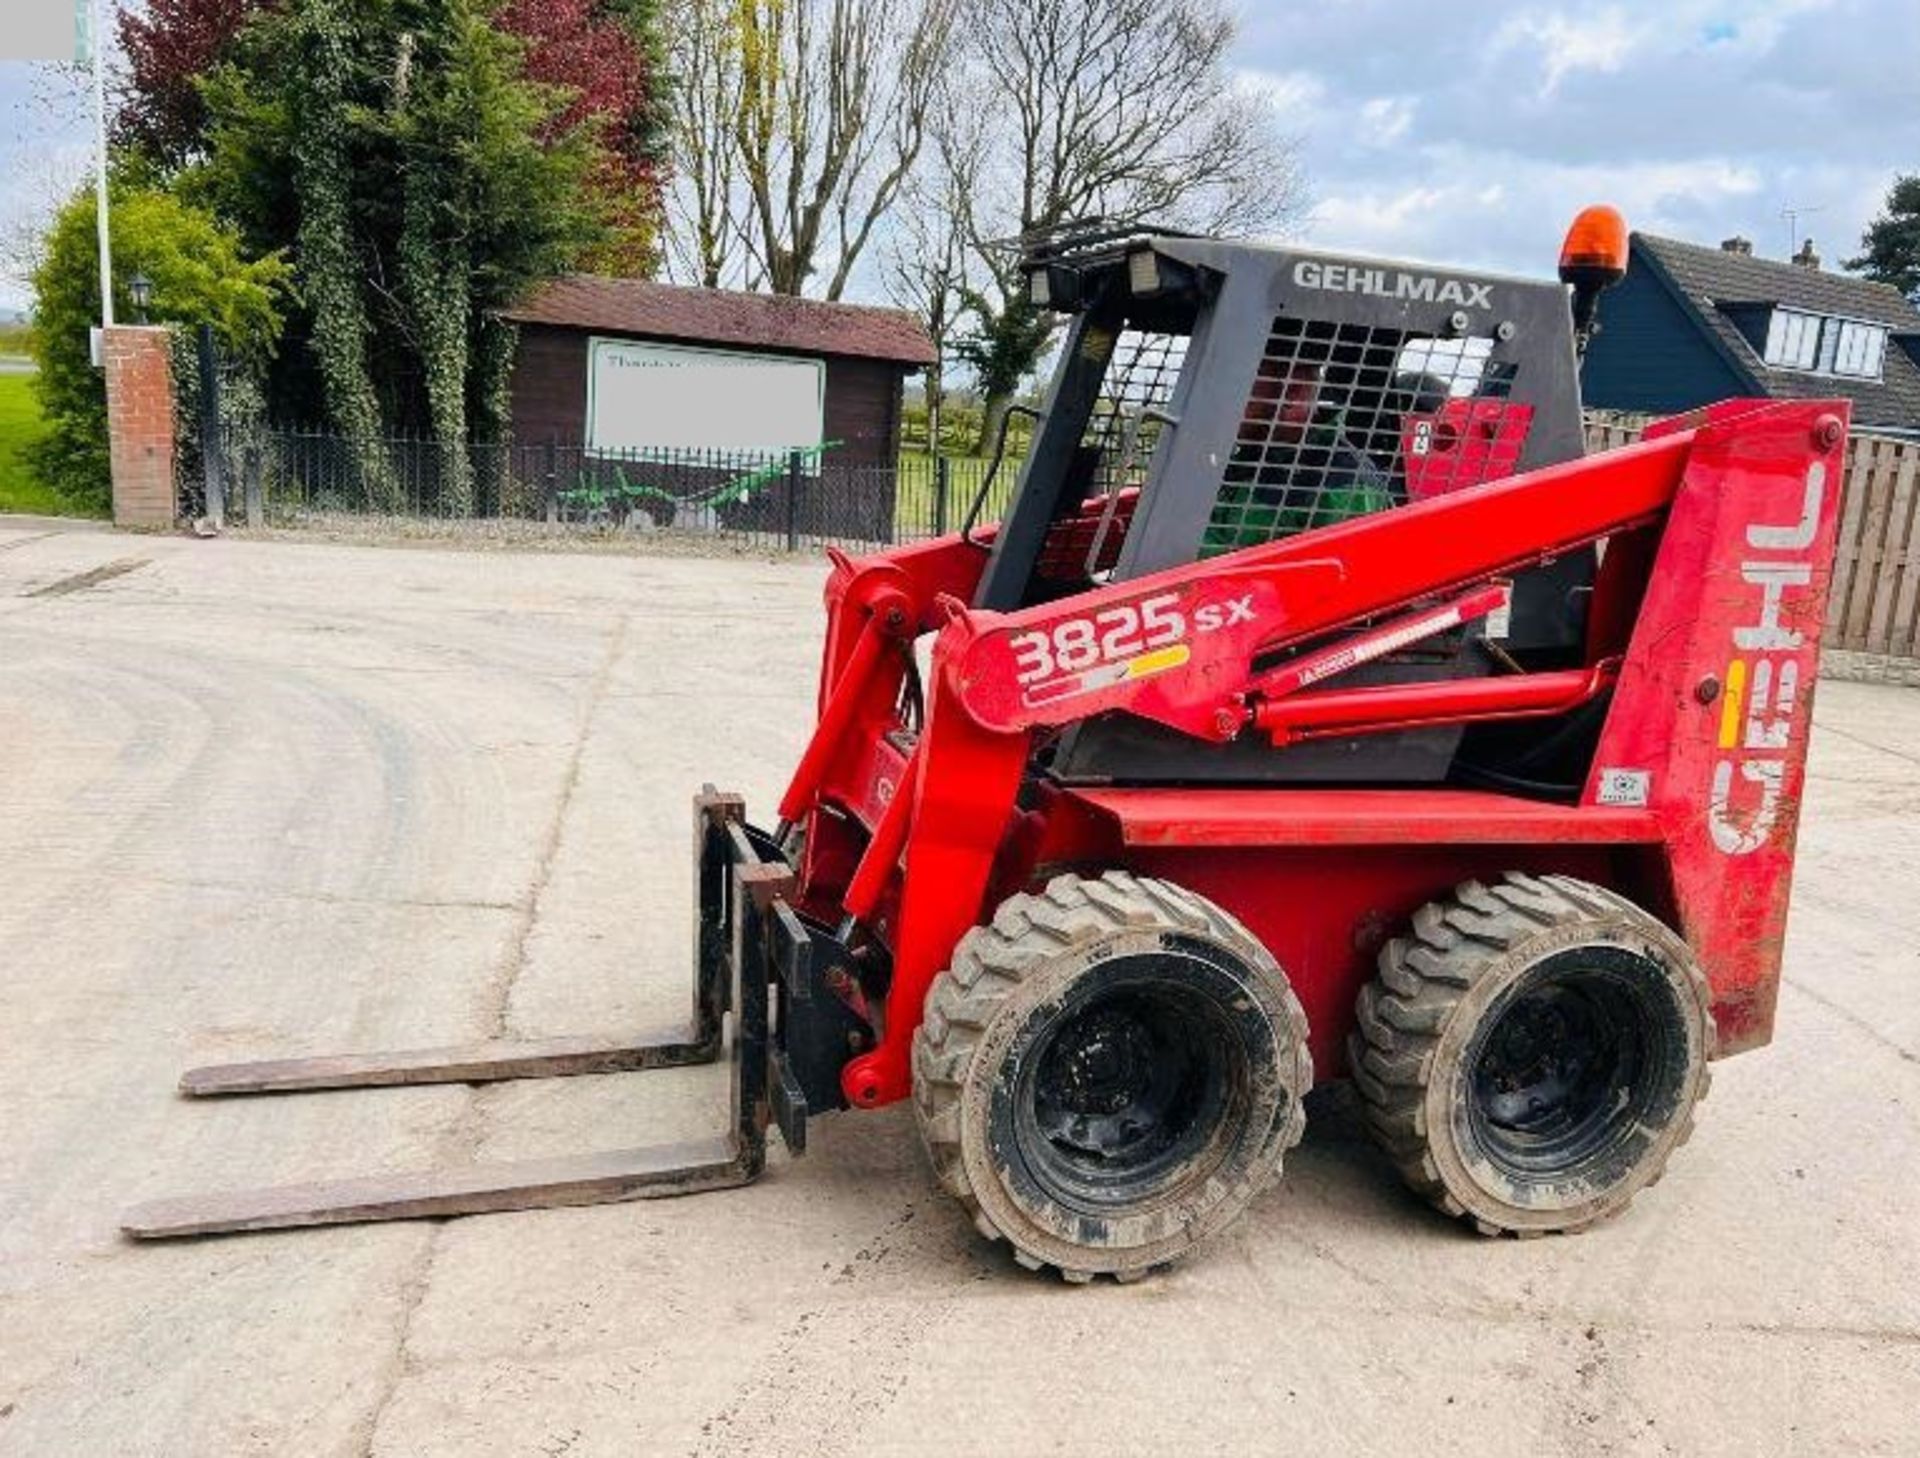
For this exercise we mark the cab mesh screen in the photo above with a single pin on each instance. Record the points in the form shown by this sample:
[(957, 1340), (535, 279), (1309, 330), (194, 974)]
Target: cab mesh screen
[(1117, 449), (1346, 419)]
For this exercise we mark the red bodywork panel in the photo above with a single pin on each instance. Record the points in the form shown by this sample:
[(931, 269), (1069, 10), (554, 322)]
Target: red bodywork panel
[(1463, 442), (1704, 625), (1215, 816)]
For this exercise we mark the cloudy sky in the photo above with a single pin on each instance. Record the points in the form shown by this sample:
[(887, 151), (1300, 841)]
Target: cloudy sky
[(1471, 132), (45, 150)]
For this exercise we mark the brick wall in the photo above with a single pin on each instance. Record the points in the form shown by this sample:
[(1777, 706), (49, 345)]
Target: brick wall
[(140, 426)]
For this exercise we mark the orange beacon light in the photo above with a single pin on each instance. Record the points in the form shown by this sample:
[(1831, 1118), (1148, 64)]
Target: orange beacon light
[(1592, 260)]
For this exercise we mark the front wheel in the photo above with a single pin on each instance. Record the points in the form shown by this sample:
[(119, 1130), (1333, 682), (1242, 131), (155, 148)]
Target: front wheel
[(1108, 1073), (1531, 1053)]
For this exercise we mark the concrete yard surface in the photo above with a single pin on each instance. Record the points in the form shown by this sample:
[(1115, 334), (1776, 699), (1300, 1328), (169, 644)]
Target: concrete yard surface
[(266, 798)]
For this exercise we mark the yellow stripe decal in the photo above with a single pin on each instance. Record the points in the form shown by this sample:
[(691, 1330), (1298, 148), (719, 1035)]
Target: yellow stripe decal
[(1735, 701), (1158, 661)]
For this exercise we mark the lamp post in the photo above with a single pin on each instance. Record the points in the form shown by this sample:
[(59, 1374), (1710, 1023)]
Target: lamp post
[(141, 287), (96, 52)]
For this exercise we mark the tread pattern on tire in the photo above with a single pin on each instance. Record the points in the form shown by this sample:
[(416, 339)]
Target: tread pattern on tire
[(1421, 979), (991, 961)]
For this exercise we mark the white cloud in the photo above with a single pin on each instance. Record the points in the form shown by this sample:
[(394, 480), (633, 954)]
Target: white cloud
[(1753, 27), (1397, 224), (1385, 120), (1600, 41), (1517, 223), (1293, 95)]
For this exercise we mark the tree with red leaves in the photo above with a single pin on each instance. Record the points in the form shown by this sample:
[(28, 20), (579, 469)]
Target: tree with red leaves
[(169, 48), (606, 52)]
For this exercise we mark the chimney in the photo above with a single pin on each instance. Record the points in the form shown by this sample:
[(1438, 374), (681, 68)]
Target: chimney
[(1737, 244), (1806, 257)]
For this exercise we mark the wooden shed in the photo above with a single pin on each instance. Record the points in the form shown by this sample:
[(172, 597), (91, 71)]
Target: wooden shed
[(620, 365)]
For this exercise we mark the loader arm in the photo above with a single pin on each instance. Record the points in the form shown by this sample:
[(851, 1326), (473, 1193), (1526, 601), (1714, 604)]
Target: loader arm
[(1179, 647)]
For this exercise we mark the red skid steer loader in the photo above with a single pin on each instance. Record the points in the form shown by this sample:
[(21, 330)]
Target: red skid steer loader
[(1313, 710)]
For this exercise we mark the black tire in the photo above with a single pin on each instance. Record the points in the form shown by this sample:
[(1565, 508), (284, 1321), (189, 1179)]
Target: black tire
[(1108, 1073), (1531, 1053)]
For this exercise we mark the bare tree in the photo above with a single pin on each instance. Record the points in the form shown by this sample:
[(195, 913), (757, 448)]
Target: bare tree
[(1117, 109), (835, 102), (49, 132), (1128, 109), (926, 263), (705, 239)]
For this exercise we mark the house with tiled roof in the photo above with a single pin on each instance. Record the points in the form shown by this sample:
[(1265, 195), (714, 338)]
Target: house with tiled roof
[(1691, 324)]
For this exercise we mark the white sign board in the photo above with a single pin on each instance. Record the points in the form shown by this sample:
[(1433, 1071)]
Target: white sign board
[(660, 398), (46, 30)]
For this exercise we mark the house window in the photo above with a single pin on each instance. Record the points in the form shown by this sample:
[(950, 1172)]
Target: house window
[(1793, 340), (1822, 345), (1858, 349)]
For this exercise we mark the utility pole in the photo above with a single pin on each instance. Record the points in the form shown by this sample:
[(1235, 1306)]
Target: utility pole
[(95, 38)]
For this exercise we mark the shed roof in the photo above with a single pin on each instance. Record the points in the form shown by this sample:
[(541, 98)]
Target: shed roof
[(1714, 281), (726, 317)]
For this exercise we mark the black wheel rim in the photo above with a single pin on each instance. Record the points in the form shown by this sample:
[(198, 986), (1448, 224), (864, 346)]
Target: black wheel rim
[(1582, 1055), (1131, 1090)]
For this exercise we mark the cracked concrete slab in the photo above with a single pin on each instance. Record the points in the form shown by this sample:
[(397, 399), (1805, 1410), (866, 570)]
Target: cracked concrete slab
[(270, 798)]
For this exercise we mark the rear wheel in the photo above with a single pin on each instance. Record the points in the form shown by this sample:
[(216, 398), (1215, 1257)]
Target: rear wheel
[(1531, 1054), (1108, 1073)]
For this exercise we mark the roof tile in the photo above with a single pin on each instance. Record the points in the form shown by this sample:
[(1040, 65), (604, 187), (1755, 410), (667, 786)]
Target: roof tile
[(723, 316), (1712, 278)]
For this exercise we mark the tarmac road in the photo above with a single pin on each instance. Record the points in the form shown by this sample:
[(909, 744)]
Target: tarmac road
[(266, 798)]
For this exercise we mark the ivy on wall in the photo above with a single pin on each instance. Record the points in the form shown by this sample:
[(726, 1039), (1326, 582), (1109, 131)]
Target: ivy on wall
[(419, 182)]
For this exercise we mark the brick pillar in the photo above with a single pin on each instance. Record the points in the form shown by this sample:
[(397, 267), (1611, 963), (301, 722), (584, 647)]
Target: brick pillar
[(140, 425)]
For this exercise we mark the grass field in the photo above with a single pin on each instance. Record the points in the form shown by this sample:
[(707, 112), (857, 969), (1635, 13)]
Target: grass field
[(915, 509), (20, 431)]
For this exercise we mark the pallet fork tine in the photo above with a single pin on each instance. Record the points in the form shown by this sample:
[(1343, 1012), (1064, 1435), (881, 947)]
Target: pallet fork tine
[(744, 936), (468, 1063), (537, 1184)]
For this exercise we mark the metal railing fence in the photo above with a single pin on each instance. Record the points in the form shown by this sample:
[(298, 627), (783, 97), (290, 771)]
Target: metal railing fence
[(791, 499)]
